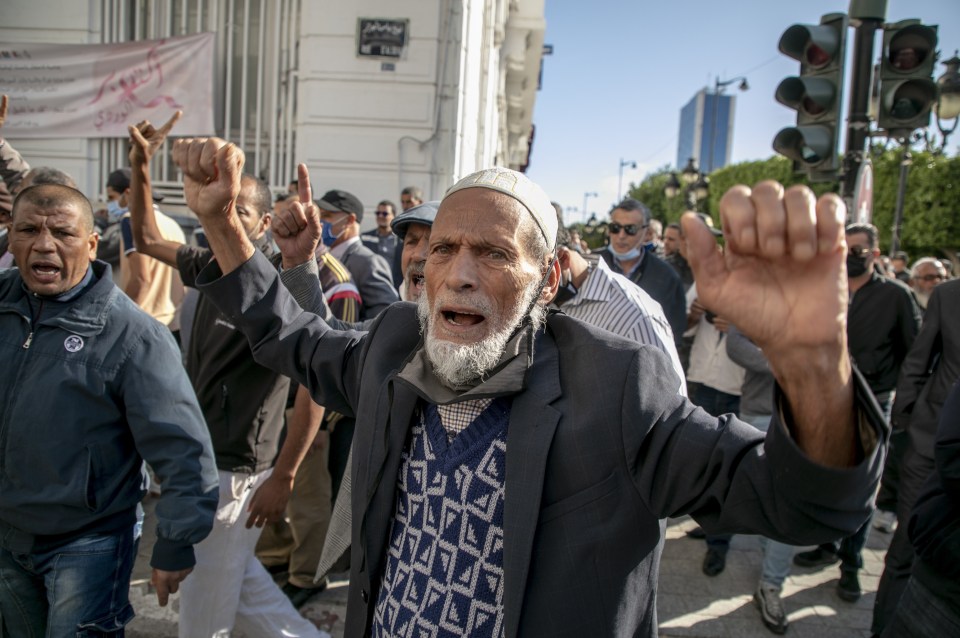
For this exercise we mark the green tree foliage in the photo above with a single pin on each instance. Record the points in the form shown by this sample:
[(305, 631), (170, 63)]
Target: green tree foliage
[(931, 220), (650, 192), (931, 206)]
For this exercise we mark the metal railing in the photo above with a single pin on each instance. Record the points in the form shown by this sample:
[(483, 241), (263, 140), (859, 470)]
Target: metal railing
[(255, 78)]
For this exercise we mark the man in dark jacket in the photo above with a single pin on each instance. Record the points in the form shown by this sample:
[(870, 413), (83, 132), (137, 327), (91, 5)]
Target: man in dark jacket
[(927, 374), (490, 399), (90, 387), (929, 606), (243, 403), (625, 255)]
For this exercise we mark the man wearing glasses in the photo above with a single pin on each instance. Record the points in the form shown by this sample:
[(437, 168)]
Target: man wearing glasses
[(926, 274), (625, 255), (382, 241)]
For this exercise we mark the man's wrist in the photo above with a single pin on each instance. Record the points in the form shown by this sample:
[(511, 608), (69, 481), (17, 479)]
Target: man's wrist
[(295, 261)]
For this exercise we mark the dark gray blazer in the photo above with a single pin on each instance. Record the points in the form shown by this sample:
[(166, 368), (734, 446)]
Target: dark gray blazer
[(371, 273), (600, 447), (931, 368)]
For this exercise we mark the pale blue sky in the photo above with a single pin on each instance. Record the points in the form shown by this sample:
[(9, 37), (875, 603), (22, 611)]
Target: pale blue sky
[(622, 69)]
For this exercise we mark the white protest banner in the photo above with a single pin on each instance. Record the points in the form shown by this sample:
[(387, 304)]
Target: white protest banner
[(96, 90)]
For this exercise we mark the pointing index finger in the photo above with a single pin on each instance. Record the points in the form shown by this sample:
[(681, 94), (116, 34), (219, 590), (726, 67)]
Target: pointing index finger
[(169, 125), (303, 184)]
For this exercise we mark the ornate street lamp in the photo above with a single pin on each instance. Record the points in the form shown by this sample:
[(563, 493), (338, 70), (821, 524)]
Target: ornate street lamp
[(718, 87), (695, 185), (948, 105)]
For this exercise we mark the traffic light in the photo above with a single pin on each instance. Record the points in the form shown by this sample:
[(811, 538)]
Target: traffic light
[(907, 90), (815, 95)]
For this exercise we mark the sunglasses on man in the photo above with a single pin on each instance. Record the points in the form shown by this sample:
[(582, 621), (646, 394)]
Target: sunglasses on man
[(632, 229)]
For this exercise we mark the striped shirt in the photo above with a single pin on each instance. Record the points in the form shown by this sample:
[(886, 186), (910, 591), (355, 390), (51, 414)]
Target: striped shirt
[(611, 301)]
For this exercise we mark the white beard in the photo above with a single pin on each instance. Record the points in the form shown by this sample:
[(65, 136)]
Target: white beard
[(459, 364), (922, 298)]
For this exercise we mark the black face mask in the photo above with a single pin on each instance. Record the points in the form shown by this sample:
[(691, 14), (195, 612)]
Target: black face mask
[(856, 266)]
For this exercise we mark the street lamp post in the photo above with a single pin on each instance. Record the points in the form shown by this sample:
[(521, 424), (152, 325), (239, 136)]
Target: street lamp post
[(623, 163), (948, 105), (587, 195), (695, 185), (718, 87)]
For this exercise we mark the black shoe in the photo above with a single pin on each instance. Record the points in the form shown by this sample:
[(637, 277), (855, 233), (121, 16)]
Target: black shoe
[(300, 595), (848, 588), (714, 562), (818, 557), (697, 533)]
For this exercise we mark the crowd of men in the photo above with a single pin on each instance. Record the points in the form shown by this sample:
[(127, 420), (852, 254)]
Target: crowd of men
[(483, 420)]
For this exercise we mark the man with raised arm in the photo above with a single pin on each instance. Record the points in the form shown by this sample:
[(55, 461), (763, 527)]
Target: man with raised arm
[(506, 484), (243, 404)]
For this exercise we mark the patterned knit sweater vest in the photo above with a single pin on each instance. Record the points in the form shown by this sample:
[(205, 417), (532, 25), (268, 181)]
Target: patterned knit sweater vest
[(444, 568)]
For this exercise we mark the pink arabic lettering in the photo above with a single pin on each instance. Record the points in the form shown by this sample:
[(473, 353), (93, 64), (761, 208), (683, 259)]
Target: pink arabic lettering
[(120, 92)]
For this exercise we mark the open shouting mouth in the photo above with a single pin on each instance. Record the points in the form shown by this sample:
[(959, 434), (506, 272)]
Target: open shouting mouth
[(45, 272)]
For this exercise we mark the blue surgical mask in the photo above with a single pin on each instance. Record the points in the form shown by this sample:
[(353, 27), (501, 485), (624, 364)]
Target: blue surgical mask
[(114, 210), (633, 253), (327, 236)]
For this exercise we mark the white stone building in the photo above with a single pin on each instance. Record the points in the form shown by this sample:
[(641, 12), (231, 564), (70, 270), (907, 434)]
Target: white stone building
[(291, 85)]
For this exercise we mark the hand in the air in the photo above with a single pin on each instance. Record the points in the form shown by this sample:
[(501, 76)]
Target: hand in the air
[(145, 139), (297, 228), (211, 175), (782, 277)]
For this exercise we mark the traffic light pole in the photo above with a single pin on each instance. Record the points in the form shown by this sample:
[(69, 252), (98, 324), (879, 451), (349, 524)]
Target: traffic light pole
[(905, 161), (870, 16)]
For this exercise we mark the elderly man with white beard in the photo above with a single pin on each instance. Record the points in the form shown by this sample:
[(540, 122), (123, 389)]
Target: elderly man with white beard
[(521, 496)]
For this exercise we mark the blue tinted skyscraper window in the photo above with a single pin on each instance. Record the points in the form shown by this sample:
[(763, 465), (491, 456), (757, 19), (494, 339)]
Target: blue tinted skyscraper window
[(706, 131)]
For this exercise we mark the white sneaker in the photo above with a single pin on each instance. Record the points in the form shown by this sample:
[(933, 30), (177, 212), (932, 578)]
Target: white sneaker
[(885, 522), (772, 613)]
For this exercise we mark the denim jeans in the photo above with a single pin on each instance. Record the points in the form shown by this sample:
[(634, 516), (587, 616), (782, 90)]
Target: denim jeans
[(777, 556), (78, 588)]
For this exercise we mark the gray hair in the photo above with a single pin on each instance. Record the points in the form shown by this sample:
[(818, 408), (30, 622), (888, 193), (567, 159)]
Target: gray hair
[(936, 263)]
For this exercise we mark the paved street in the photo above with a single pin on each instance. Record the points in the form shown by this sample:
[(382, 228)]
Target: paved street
[(690, 604)]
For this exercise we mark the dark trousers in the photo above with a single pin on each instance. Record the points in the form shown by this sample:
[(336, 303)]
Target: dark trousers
[(922, 614), (914, 472), (890, 481), (850, 548), (716, 403)]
